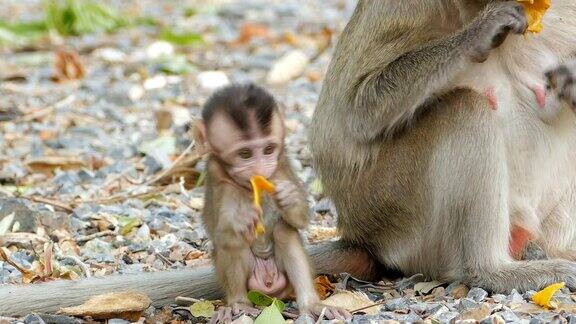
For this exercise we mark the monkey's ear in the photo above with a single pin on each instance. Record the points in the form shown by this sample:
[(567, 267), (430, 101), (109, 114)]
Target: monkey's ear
[(199, 134)]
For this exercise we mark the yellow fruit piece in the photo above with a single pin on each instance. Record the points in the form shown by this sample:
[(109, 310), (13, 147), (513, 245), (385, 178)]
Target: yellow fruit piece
[(535, 10), (260, 229), (260, 183), (543, 298)]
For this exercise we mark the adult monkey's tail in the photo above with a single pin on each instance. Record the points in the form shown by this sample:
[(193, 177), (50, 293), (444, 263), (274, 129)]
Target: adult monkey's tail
[(162, 287)]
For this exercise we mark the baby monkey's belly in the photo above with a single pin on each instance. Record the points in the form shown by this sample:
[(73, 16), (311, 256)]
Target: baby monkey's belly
[(267, 277)]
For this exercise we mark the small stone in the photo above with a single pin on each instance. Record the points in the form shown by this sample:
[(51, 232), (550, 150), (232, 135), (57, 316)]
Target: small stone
[(557, 319), (410, 317), (419, 308), (159, 49), (515, 297), (386, 315), (197, 203), (494, 319), (60, 319), (136, 92), (110, 55), (546, 317), (304, 319), (33, 319), (467, 303), (245, 319), (396, 304), (528, 295), (447, 317), (477, 294), (118, 321), (288, 67), (499, 298), (509, 316), (211, 80), (156, 82)]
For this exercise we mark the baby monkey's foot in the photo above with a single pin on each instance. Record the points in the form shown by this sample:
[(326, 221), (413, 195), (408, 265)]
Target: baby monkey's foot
[(225, 314), (562, 80), (330, 312)]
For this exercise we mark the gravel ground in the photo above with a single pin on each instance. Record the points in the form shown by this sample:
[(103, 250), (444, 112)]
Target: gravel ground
[(86, 164)]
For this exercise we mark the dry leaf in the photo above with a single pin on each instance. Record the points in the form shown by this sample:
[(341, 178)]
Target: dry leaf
[(477, 314), (46, 135), (127, 305), (50, 163), (67, 66), (249, 31), (323, 286), (425, 288), (36, 273), (352, 301), (535, 10)]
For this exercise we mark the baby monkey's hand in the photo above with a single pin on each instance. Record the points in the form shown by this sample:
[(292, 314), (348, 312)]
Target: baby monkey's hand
[(287, 195), (245, 223), (292, 203)]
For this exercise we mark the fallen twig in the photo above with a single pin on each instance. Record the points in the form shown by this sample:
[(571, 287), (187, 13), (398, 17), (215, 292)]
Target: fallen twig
[(21, 238), (174, 164), (85, 238), (46, 110), (369, 306), (62, 205), (185, 301)]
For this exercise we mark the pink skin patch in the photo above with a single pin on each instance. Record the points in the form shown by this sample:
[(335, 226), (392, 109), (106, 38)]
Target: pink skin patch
[(540, 93), (492, 99), (266, 278), (518, 239)]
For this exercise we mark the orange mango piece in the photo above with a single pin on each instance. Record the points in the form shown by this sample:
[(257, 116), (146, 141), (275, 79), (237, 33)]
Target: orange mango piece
[(260, 183), (535, 10), (543, 298)]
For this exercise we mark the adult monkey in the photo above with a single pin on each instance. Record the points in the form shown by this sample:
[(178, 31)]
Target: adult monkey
[(436, 138), (435, 197)]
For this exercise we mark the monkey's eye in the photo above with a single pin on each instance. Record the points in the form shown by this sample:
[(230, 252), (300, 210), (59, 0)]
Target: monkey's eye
[(269, 149), (245, 153)]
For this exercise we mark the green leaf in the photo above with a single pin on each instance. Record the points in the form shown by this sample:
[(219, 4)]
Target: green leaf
[(200, 180), (127, 224), (270, 315), (279, 304), (183, 38), (176, 65), (203, 308), (21, 33), (259, 299), (77, 17), (189, 12)]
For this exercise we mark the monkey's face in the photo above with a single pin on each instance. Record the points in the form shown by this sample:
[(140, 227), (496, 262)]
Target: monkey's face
[(246, 153)]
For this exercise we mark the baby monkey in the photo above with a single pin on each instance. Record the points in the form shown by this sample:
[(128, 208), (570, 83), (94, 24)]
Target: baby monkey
[(242, 129)]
